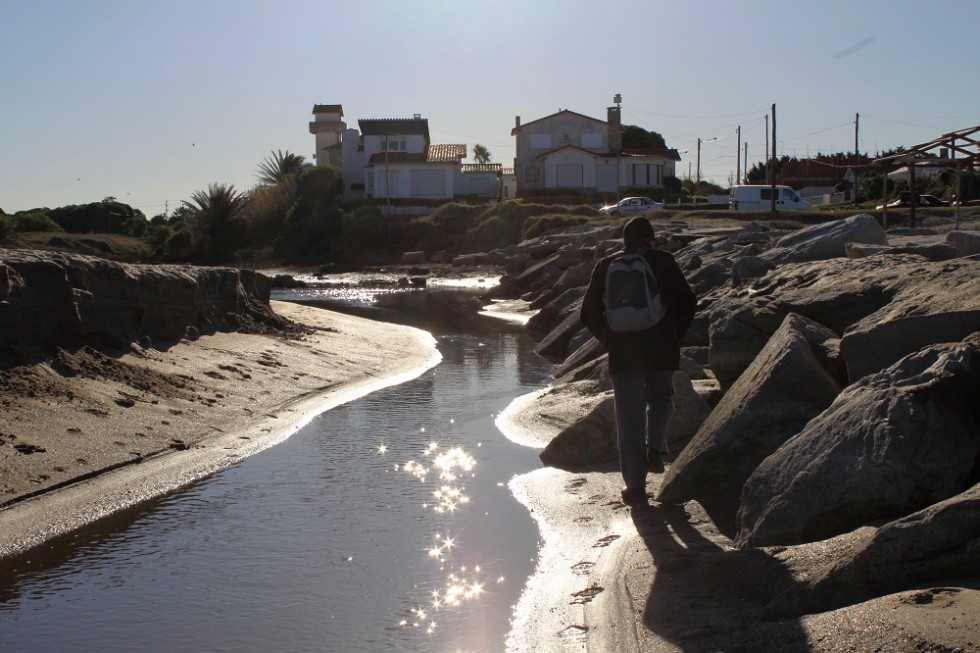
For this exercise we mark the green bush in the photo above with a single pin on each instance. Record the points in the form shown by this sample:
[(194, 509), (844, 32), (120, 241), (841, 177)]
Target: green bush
[(6, 227), (36, 221)]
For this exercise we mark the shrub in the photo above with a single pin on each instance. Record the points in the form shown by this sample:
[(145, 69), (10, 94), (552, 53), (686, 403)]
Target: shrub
[(36, 221), (6, 227)]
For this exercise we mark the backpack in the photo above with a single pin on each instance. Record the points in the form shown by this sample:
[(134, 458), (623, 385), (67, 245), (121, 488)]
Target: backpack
[(632, 296)]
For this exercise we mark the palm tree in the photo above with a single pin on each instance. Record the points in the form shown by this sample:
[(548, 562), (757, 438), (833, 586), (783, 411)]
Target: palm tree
[(481, 154), (280, 166), (217, 218)]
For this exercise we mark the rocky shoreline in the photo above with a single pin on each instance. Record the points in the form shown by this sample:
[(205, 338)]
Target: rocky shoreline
[(825, 494)]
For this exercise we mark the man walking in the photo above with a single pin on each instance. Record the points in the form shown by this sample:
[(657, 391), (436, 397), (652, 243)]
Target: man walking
[(642, 358)]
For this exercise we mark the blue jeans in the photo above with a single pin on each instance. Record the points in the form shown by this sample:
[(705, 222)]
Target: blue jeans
[(644, 403)]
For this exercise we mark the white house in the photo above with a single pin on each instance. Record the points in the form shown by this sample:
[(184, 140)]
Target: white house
[(571, 151), (392, 157)]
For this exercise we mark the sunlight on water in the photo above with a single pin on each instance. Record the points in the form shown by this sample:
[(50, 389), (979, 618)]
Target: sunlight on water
[(386, 524)]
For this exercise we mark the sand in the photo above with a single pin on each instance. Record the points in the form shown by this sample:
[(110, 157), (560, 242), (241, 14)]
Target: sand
[(87, 433)]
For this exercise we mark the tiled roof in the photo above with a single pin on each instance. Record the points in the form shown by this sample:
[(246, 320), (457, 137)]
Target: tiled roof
[(395, 126), (482, 167), (328, 108), (448, 153)]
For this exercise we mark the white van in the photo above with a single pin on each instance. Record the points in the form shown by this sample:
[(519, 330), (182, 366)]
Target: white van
[(759, 198)]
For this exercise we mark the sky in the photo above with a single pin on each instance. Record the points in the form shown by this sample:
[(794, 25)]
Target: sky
[(149, 101)]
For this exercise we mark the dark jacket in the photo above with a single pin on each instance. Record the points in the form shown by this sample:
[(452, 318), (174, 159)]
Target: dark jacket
[(657, 348)]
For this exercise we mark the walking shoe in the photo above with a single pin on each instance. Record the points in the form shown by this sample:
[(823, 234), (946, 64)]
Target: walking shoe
[(633, 495), (655, 462)]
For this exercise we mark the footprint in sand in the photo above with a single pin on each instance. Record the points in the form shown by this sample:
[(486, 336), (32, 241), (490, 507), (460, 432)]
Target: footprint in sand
[(583, 568), (605, 541), (586, 595)]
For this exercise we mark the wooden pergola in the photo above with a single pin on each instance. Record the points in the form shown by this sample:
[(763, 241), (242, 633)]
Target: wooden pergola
[(956, 149)]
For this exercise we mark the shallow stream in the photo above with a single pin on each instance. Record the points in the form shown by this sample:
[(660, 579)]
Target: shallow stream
[(385, 524)]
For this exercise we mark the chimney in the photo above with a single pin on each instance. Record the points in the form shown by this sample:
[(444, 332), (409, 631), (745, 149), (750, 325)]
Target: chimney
[(517, 122), (615, 129)]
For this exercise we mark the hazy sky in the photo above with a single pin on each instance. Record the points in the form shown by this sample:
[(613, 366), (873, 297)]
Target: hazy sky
[(151, 100)]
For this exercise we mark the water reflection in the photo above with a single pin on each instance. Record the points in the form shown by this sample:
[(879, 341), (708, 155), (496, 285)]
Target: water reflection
[(386, 524)]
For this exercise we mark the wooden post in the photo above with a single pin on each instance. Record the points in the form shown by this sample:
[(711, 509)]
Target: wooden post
[(884, 197), (913, 194)]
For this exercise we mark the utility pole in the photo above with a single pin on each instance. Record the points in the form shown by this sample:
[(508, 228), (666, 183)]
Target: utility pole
[(738, 159), (857, 160), (387, 176), (766, 151), (745, 165), (697, 167), (772, 199)]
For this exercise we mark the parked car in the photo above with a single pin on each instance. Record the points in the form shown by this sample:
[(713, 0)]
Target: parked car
[(905, 200), (632, 205)]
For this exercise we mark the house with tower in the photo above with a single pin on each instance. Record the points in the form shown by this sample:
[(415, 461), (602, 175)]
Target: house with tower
[(394, 158)]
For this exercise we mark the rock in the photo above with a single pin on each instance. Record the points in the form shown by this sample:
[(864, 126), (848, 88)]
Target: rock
[(710, 276), (581, 364), (827, 240), (787, 385), (413, 258), (860, 250), (925, 619), (936, 304), (576, 276), (967, 242), (839, 293), (937, 544), (571, 257), (691, 409), (750, 267), (471, 260), (587, 440), (552, 313), (933, 251), (892, 443), (287, 281), (555, 345)]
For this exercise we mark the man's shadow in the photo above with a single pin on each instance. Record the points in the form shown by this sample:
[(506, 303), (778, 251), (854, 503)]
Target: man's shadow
[(707, 597)]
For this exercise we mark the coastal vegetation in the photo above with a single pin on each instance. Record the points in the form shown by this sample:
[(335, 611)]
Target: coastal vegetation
[(296, 215)]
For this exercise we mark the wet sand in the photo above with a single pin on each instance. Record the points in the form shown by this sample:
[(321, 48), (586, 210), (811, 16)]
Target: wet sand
[(87, 433)]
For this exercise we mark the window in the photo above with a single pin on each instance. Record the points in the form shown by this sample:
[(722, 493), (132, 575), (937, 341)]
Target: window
[(540, 141), (532, 174), (591, 140)]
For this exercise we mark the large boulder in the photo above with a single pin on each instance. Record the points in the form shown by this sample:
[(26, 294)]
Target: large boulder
[(827, 240), (934, 545), (838, 294), (945, 310), (967, 242), (892, 443), (555, 346), (787, 385)]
